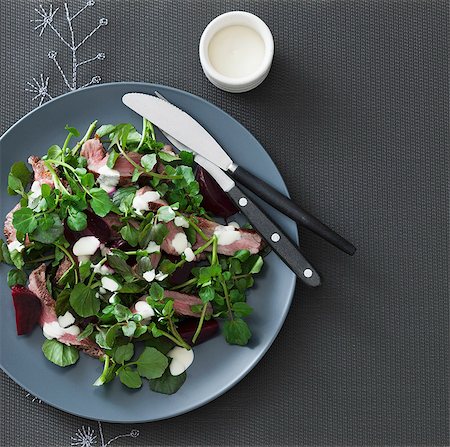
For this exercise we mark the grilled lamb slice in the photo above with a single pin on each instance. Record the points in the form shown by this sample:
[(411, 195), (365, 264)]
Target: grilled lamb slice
[(96, 157), (41, 173), (249, 239), (48, 315), (62, 268), (9, 230), (182, 303)]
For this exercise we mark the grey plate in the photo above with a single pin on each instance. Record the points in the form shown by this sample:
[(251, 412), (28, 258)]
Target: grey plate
[(217, 366)]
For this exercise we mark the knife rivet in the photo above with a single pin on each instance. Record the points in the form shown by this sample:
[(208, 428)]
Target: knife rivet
[(308, 273), (243, 201), (275, 237)]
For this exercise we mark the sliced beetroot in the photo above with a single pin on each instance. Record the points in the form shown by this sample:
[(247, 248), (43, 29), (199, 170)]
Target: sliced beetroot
[(188, 327), (27, 307), (181, 274), (215, 199), (96, 226)]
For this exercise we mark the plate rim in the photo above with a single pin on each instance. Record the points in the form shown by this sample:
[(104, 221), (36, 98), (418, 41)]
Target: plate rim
[(290, 292)]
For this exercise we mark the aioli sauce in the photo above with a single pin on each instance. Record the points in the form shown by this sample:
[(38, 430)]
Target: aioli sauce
[(236, 51)]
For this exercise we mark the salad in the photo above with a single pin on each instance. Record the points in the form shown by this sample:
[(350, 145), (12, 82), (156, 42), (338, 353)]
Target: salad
[(122, 250)]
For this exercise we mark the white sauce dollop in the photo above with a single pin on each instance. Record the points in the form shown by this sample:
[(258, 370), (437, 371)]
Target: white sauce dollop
[(226, 235), (110, 284), (189, 254), (86, 246), (181, 360), (234, 224), (54, 330), (140, 202), (102, 269), (149, 276), (153, 247), (108, 178), (180, 221), (35, 196), (180, 243), (15, 245), (66, 320), (144, 309), (160, 276)]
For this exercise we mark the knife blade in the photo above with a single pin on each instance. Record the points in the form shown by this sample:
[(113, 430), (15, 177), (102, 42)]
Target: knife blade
[(187, 130), (280, 243)]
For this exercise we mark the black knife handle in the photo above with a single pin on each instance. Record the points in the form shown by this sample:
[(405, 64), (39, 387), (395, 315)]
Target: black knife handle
[(286, 250), (282, 203)]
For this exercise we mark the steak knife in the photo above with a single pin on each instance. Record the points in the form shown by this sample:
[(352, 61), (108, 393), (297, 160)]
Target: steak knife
[(188, 131), (280, 243)]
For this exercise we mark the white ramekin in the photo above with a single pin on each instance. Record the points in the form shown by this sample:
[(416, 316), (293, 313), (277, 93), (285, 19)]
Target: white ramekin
[(243, 84)]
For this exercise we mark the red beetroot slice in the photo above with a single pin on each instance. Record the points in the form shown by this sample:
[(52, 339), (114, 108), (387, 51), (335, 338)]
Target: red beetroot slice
[(215, 199), (188, 327), (96, 226), (27, 307)]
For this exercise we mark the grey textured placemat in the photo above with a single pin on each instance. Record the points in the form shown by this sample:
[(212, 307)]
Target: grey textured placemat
[(355, 115)]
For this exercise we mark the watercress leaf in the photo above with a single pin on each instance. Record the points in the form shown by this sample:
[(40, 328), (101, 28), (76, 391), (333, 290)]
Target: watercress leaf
[(130, 234), (133, 287), (165, 213), (144, 265), (59, 353), (21, 173), (14, 185), (167, 266), (130, 377), (121, 312), (156, 292), (100, 339), (191, 234), (5, 256), (167, 157), (257, 266), (242, 255), (72, 130), (168, 308), (86, 332), (85, 270), (17, 259), (140, 330), (111, 335), (106, 129), (148, 162), (236, 296), (123, 193), (136, 174), (158, 233), (123, 353), (88, 180), (83, 300), (121, 267), (167, 384), (129, 328), (24, 220), (236, 332), (207, 294), (162, 344), (100, 202), (154, 330), (54, 152), (77, 220), (62, 304), (49, 229), (187, 158), (151, 364), (242, 309), (16, 276), (113, 156)]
